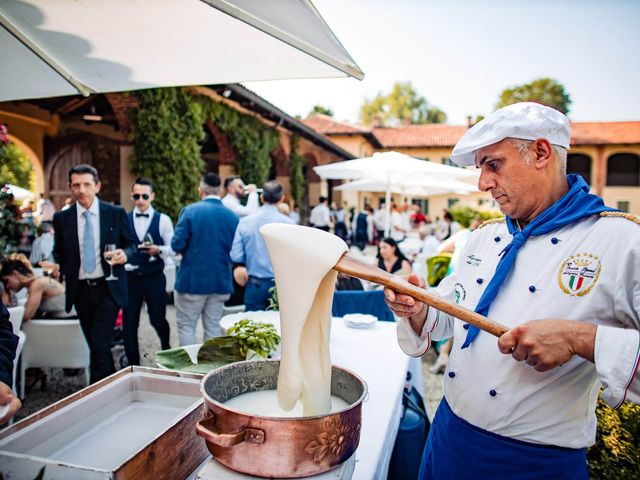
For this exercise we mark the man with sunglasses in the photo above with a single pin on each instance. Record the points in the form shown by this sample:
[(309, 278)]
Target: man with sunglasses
[(153, 232)]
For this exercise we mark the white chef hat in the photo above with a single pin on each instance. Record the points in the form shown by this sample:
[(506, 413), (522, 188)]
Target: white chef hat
[(525, 120)]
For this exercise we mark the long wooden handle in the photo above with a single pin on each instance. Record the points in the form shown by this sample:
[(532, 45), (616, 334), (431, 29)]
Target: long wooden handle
[(357, 268)]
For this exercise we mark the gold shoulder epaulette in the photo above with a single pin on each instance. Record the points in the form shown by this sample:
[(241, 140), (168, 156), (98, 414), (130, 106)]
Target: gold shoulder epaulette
[(491, 221), (628, 216)]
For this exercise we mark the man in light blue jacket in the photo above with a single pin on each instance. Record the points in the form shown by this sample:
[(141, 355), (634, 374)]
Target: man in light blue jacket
[(203, 235), (249, 248)]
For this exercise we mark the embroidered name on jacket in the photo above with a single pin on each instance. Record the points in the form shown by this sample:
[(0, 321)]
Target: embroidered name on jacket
[(578, 274), (473, 260)]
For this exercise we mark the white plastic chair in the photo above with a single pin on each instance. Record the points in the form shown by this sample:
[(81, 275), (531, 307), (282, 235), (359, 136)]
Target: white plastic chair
[(54, 344), (15, 317)]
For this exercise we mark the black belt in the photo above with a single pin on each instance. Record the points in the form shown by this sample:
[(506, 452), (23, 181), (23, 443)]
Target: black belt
[(263, 279), (92, 282)]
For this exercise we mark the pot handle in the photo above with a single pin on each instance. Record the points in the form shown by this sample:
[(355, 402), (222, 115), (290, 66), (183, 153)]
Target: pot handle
[(251, 435)]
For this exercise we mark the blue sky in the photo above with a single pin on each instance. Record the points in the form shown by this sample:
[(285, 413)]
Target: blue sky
[(460, 54)]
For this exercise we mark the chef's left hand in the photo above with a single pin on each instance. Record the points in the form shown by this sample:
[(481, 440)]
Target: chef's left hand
[(119, 257), (547, 344)]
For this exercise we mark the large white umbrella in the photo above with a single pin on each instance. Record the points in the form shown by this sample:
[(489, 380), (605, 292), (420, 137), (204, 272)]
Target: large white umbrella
[(65, 47), (19, 193), (391, 170), (414, 187)]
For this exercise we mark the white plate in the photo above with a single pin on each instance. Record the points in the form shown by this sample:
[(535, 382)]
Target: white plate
[(273, 318), (359, 320)]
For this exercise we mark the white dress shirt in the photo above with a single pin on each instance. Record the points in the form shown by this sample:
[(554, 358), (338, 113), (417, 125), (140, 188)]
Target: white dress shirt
[(141, 225), (95, 225), (320, 215), (588, 271), (233, 204)]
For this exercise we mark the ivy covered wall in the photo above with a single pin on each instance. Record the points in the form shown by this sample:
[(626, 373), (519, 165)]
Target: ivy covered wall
[(167, 136)]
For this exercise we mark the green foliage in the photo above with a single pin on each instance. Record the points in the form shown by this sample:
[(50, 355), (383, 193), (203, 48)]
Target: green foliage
[(296, 174), (616, 453), (273, 299), (15, 167), (463, 214), (401, 105), (9, 226), (252, 140), (167, 129), (321, 109), (543, 90)]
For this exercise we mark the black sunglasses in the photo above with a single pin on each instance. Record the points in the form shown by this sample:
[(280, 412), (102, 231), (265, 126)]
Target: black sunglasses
[(136, 196)]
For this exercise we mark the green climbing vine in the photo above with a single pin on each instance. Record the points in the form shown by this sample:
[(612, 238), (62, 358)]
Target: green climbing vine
[(167, 130), (296, 175), (252, 140)]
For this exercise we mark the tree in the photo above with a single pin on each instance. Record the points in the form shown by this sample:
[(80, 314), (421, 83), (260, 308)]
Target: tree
[(15, 167), (322, 110), (402, 105), (543, 90)]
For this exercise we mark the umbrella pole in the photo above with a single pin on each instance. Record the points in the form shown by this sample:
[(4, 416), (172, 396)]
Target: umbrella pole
[(387, 205)]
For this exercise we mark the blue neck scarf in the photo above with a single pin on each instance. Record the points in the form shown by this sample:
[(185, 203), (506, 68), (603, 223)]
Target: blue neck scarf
[(575, 205)]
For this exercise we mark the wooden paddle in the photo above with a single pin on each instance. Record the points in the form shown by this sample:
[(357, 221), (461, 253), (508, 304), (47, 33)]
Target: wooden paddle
[(357, 268)]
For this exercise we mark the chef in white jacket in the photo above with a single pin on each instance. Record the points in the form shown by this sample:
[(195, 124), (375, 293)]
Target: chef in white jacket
[(562, 271)]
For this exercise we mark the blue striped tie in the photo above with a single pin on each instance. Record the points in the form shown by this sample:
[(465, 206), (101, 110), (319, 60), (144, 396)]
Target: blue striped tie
[(88, 247)]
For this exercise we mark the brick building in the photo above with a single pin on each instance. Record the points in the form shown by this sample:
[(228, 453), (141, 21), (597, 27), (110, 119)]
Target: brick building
[(606, 154), (57, 133)]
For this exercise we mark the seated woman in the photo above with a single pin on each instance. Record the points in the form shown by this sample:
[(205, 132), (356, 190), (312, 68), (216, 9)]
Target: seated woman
[(45, 296), (391, 259)]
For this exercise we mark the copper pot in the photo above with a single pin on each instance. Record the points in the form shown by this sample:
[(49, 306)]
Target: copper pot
[(273, 446)]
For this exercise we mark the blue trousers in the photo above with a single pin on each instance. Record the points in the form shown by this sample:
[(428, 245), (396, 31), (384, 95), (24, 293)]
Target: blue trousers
[(455, 449), (256, 293)]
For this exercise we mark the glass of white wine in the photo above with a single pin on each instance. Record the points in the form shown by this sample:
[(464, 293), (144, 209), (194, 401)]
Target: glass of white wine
[(146, 244), (109, 250)]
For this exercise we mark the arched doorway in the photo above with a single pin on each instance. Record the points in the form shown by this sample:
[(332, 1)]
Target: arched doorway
[(579, 164), (210, 152), (623, 170), (58, 166)]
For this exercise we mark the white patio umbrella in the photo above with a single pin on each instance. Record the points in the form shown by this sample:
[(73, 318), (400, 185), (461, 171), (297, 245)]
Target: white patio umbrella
[(416, 187), (19, 193), (389, 170), (65, 47)]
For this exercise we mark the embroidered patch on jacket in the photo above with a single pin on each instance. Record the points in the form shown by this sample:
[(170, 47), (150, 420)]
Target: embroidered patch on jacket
[(459, 293), (579, 274)]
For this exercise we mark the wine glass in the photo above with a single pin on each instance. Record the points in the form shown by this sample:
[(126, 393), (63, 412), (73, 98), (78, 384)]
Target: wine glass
[(147, 243), (109, 250)]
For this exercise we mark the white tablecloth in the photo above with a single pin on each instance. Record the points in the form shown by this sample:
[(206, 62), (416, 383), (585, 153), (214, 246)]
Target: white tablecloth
[(373, 354)]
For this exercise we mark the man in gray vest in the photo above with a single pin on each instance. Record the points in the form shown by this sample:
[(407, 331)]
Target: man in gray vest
[(153, 231)]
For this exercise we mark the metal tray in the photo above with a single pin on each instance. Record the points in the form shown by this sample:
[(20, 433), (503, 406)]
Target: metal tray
[(138, 423)]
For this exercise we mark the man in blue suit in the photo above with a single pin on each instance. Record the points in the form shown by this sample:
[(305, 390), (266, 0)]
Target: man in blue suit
[(203, 235)]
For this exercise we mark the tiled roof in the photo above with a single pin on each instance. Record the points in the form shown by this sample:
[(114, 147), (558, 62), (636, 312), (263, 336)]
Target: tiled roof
[(438, 135), (328, 126), (590, 133), (431, 135)]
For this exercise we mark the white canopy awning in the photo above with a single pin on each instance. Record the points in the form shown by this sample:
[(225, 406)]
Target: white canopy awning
[(65, 47)]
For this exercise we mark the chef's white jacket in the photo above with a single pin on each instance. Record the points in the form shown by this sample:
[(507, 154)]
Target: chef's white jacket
[(588, 271)]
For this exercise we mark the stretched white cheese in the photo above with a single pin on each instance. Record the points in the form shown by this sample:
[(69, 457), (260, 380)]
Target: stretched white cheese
[(303, 259)]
